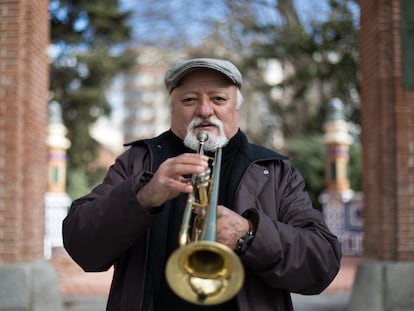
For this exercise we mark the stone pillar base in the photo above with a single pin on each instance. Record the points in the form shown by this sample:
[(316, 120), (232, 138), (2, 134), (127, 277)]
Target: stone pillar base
[(29, 287), (383, 286)]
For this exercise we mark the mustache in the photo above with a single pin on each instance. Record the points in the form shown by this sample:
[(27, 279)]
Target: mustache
[(196, 122)]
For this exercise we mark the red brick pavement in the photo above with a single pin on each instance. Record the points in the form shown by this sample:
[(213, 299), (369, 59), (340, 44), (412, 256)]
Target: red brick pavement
[(344, 281), (74, 281)]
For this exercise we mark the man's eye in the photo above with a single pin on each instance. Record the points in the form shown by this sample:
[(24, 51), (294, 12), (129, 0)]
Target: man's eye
[(188, 101), (219, 99)]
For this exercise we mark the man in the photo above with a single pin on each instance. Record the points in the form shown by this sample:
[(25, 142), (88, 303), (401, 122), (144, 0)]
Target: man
[(131, 220)]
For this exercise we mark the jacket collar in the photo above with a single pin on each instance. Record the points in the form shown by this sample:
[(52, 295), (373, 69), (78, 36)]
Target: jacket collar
[(257, 153), (253, 152)]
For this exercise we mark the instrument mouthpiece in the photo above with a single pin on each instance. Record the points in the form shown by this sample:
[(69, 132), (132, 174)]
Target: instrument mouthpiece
[(202, 136)]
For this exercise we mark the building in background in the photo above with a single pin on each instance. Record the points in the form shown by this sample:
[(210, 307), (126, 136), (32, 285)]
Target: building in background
[(146, 110)]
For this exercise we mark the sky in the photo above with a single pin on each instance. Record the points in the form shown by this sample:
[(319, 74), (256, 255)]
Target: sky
[(189, 21), (192, 21)]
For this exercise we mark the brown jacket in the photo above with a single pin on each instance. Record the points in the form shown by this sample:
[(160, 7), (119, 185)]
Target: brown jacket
[(293, 250)]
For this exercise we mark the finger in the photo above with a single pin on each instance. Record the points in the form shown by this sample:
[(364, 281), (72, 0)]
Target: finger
[(193, 157), (179, 185), (190, 159), (179, 166)]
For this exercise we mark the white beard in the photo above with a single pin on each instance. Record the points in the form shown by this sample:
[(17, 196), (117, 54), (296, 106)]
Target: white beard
[(213, 142)]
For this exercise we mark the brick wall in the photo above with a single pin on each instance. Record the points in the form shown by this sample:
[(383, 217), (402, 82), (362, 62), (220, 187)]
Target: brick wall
[(24, 38), (387, 115)]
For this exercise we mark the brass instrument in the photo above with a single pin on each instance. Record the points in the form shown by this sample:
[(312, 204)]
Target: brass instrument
[(203, 271)]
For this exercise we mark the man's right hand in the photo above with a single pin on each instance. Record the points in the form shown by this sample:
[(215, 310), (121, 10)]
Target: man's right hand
[(169, 181)]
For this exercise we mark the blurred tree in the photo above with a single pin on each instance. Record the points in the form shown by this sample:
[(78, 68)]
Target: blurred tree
[(316, 58), (299, 64), (314, 42), (87, 43), (355, 166), (307, 155)]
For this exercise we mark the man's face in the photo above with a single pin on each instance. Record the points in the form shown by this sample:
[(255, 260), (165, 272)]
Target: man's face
[(205, 100)]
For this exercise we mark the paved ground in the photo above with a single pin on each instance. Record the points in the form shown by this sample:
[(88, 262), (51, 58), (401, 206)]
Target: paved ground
[(323, 302), (88, 291)]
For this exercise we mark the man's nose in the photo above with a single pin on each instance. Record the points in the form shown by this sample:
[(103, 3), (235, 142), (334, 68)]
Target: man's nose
[(205, 108)]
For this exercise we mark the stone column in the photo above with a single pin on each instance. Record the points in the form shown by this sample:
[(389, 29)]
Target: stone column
[(337, 140), (57, 201), (384, 279), (341, 206), (27, 282)]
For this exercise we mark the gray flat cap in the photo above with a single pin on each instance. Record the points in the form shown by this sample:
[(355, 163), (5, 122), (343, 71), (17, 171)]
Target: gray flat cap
[(180, 69)]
